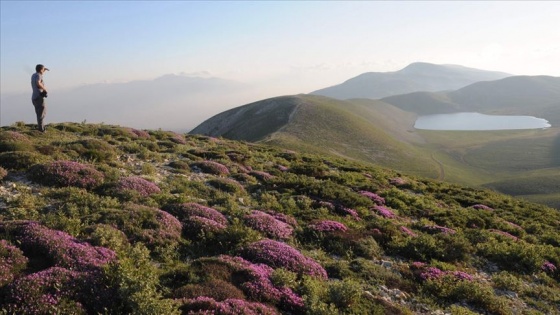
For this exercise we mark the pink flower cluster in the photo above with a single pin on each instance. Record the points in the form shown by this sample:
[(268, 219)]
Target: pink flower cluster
[(482, 207), (384, 212), (260, 175), (12, 261), (513, 225), (373, 196), (407, 231), (210, 167), (433, 273), (178, 138), (548, 267), (58, 291), (283, 217), (167, 229), (461, 275), (281, 255), (328, 226), (326, 204), (67, 173), (203, 305), (347, 211), (140, 133), (268, 224), (502, 233), (282, 168), (258, 285), (138, 184), (198, 218), (439, 229), (60, 248)]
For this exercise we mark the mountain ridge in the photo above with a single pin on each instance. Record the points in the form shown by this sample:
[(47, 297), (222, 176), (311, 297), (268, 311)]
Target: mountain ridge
[(415, 77)]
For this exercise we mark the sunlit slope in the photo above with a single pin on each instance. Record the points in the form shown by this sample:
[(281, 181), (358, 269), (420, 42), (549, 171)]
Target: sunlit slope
[(524, 163), (364, 130)]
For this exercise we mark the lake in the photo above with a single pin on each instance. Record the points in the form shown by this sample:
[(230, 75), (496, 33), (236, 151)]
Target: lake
[(477, 121)]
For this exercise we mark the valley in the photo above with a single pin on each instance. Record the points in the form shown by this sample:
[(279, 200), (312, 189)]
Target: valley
[(521, 162)]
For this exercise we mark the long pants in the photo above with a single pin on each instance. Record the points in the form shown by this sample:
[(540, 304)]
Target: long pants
[(41, 111)]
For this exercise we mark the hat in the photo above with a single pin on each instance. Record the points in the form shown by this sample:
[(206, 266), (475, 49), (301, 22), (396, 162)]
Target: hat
[(40, 66)]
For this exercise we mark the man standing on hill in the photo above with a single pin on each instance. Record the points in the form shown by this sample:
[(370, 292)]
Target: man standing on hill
[(39, 95)]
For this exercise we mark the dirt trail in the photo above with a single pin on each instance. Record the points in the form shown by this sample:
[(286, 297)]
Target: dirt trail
[(441, 175)]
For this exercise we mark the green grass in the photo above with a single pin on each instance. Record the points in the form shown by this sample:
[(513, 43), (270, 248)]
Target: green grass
[(162, 265)]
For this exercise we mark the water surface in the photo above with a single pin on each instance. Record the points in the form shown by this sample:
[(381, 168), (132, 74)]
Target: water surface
[(477, 121)]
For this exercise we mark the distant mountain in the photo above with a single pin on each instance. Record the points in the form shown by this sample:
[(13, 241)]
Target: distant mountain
[(522, 95), (416, 77), (176, 102), (366, 130)]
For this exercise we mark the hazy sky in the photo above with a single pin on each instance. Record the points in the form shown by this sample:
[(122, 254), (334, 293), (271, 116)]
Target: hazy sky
[(284, 47)]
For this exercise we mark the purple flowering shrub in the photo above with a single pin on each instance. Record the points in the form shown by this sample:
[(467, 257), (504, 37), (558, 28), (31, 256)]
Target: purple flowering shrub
[(407, 231), (260, 175), (57, 248), (178, 138), (186, 210), (58, 291), (12, 262), (203, 305), (283, 217), (373, 197), (281, 255), (136, 184), (151, 226), (141, 134), (282, 168), (328, 226), (503, 233), (268, 225), (549, 267), (384, 212), (210, 167), (255, 281), (217, 289), (425, 273), (482, 207), (349, 211), (66, 173), (197, 218)]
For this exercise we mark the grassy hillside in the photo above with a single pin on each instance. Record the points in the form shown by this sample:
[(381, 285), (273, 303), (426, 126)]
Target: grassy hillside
[(517, 95), (364, 130), (109, 219), (522, 163)]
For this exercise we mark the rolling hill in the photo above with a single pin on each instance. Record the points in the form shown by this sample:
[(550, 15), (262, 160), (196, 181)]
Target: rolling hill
[(416, 77), (517, 95), (523, 163), (365, 130)]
